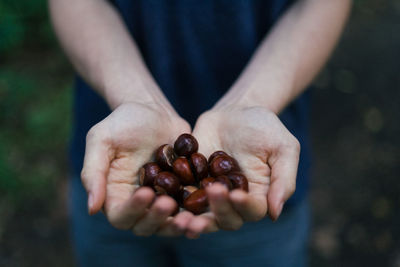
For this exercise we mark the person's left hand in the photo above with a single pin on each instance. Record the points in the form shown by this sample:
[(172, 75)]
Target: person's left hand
[(268, 155)]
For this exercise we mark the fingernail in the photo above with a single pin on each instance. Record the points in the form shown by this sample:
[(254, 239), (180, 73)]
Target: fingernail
[(90, 203)]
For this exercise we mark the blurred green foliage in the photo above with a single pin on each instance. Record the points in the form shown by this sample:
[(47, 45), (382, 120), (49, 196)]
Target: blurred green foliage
[(35, 100), (21, 21)]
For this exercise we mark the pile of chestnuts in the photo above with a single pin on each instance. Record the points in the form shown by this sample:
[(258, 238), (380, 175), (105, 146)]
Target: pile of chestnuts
[(183, 173)]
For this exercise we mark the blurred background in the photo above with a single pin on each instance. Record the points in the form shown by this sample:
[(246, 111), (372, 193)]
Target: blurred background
[(355, 122)]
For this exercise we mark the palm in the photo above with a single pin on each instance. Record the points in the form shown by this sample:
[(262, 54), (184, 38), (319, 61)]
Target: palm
[(255, 137), (238, 134), (133, 132)]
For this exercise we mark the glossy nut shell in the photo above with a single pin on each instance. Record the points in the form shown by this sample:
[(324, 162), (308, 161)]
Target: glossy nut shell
[(196, 202), (199, 165), (165, 156), (215, 154), (148, 173), (186, 145), (239, 181), (206, 182), (166, 183), (222, 165), (182, 169), (186, 191)]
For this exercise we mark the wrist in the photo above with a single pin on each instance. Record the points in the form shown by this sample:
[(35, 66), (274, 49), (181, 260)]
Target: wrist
[(116, 96), (137, 91), (246, 97)]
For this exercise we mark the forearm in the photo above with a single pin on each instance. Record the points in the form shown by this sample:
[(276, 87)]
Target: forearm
[(291, 56), (100, 48)]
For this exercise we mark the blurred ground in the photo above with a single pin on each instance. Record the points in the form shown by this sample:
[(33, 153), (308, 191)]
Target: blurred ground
[(355, 120), (357, 154)]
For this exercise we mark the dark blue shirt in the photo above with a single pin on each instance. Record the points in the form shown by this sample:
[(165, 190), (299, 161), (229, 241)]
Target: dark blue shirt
[(195, 49)]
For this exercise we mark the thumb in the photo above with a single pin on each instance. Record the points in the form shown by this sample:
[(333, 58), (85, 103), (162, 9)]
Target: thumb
[(95, 169), (283, 163)]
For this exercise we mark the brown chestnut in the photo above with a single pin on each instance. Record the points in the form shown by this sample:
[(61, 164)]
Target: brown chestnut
[(215, 154), (223, 179), (186, 145), (186, 191), (182, 169), (166, 183), (165, 156), (236, 165), (239, 181), (196, 202), (148, 173), (206, 182), (199, 166), (221, 165)]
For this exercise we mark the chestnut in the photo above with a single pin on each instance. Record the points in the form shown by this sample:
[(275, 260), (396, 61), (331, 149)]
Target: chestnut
[(223, 179), (196, 202), (148, 173), (206, 182), (221, 165), (215, 154), (239, 181), (186, 145), (199, 165), (236, 164), (181, 168), (166, 183), (186, 191), (165, 156)]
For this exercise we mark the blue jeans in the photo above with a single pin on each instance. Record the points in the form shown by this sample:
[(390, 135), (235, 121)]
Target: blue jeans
[(277, 244)]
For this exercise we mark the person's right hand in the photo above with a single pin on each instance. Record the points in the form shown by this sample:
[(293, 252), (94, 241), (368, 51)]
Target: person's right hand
[(115, 150)]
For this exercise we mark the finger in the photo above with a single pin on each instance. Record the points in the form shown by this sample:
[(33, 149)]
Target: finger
[(182, 220), (251, 207), (155, 217), (202, 224), (225, 215), (176, 226), (123, 216), (284, 165), (95, 168)]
